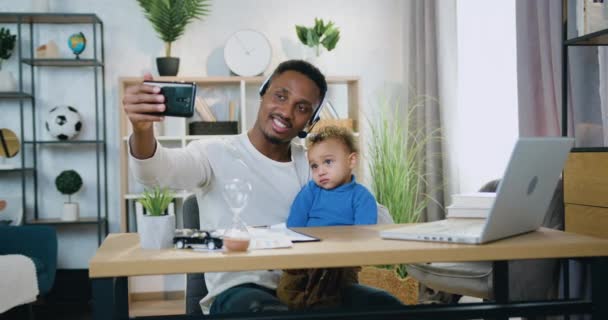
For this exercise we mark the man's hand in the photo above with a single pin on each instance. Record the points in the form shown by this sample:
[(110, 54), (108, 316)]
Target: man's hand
[(139, 101)]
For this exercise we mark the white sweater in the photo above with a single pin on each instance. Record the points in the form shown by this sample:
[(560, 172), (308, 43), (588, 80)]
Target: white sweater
[(204, 165)]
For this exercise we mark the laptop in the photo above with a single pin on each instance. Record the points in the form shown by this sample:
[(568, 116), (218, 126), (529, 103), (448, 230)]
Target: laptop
[(522, 198)]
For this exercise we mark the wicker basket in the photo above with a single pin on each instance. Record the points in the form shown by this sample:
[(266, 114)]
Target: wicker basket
[(406, 290)]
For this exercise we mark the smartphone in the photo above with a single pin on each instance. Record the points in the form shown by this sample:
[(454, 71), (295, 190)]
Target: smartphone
[(179, 97)]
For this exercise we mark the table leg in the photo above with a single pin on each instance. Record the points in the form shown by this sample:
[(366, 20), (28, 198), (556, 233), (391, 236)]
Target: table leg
[(599, 283), (110, 298), (501, 283)]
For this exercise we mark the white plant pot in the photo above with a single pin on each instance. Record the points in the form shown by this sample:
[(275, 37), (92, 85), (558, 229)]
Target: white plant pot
[(70, 211), (7, 81), (156, 232)]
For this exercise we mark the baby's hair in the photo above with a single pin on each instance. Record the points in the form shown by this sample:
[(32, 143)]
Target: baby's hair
[(344, 135)]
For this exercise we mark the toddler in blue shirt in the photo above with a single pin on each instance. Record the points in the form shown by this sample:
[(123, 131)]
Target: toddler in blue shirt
[(332, 198)]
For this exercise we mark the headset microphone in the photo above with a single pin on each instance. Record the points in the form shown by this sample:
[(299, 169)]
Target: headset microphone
[(302, 134)]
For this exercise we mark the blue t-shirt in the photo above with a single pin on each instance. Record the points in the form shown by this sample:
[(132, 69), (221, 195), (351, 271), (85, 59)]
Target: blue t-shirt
[(348, 204)]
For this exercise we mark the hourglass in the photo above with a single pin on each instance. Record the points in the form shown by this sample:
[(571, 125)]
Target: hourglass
[(236, 192)]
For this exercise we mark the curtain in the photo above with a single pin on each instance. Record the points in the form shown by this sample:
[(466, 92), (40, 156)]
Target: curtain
[(539, 68), (421, 77)]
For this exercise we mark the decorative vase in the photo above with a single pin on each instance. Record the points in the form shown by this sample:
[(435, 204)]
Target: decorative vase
[(155, 232), (70, 211), (167, 66), (405, 289), (7, 81)]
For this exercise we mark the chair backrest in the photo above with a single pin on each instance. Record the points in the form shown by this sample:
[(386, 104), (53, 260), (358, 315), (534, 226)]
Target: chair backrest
[(191, 213), (384, 216)]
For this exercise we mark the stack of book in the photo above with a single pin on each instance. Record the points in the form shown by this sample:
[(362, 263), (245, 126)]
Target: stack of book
[(471, 205)]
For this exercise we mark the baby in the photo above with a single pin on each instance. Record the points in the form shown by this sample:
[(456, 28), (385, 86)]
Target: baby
[(332, 198)]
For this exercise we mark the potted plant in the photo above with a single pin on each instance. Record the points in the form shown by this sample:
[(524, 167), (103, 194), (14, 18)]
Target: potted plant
[(321, 34), (155, 226), (396, 162), (169, 19), (7, 45), (69, 182)]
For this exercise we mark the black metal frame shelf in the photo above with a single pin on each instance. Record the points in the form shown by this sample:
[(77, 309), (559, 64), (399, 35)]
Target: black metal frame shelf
[(48, 18), (17, 169), (63, 62), (26, 22), (598, 38), (15, 95), (83, 220), (65, 142)]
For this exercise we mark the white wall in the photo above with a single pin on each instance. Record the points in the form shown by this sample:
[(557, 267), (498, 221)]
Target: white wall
[(482, 131), (369, 48)]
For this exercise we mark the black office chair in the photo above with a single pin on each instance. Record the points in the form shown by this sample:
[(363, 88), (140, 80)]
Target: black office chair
[(528, 279), (196, 288)]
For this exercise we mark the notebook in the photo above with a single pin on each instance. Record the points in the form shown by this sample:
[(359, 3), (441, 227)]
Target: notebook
[(522, 198)]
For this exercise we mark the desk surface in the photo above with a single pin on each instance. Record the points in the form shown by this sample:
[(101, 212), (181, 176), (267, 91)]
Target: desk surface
[(121, 255)]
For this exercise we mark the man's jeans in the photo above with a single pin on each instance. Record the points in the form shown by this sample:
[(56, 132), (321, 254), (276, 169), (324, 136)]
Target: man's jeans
[(251, 297)]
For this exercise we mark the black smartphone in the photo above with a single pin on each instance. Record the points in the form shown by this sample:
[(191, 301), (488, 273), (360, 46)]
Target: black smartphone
[(179, 97)]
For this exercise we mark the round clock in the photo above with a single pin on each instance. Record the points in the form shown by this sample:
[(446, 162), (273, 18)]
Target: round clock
[(247, 53)]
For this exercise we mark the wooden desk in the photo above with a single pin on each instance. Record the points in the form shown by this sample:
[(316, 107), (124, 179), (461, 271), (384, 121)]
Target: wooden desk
[(120, 256)]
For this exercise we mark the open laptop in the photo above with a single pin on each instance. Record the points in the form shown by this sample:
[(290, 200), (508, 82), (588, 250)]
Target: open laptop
[(522, 198)]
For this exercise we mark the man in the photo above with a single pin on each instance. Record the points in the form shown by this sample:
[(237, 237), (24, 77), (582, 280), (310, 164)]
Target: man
[(264, 156)]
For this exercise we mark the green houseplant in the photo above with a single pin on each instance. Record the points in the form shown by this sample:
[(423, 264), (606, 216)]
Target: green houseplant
[(169, 19), (397, 151), (156, 201), (156, 228), (69, 182), (321, 34), (7, 45)]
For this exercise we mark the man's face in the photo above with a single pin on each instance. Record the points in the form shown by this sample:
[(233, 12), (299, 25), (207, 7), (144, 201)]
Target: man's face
[(287, 106), (331, 163)]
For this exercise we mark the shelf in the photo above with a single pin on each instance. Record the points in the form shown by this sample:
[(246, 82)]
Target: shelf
[(63, 62), (57, 221), (135, 196), (230, 80), (51, 18), (598, 38), (15, 95), (15, 169), (187, 138), (60, 142)]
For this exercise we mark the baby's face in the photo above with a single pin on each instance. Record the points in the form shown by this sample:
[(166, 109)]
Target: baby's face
[(331, 163)]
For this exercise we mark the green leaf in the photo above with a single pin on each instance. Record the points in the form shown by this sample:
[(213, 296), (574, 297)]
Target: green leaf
[(302, 33), (319, 27), (312, 40), (331, 39), (169, 18), (156, 201)]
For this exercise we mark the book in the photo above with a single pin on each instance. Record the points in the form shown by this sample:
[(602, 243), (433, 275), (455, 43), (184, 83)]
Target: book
[(473, 200), (460, 212)]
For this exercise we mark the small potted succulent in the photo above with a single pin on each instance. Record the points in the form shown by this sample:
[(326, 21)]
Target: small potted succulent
[(321, 34), (155, 225), (169, 19), (69, 182), (7, 45)]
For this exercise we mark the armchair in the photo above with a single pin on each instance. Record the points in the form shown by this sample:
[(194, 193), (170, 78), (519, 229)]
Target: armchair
[(39, 243)]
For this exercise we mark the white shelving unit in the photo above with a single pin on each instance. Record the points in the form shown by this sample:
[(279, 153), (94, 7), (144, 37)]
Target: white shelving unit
[(243, 92)]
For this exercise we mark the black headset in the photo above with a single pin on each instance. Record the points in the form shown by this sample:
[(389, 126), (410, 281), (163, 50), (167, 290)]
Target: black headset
[(316, 115)]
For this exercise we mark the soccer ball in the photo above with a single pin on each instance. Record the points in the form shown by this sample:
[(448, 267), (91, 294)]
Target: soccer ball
[(63, 122)]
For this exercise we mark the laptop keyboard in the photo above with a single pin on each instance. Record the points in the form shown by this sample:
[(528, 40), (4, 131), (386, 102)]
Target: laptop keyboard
[(453, 227)]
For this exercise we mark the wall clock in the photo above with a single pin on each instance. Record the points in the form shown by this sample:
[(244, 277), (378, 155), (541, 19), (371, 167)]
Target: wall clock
[(247, 53)]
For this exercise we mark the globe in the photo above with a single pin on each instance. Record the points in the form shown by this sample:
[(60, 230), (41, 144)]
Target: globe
[(77, 43)]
